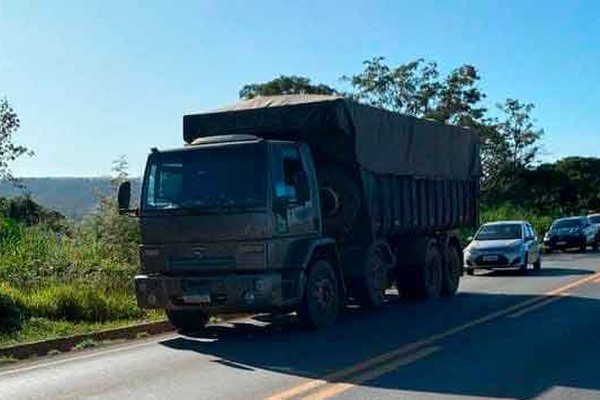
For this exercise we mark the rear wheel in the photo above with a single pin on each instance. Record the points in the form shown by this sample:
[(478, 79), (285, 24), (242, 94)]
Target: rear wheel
[(186, 320), (370, 287), (453, 265), (421, 278), (321, 302)]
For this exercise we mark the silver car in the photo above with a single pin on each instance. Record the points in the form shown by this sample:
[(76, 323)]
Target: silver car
[(501, 245)]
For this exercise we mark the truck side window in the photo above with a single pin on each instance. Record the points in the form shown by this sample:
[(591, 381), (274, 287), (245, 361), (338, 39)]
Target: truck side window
[(291, 183)]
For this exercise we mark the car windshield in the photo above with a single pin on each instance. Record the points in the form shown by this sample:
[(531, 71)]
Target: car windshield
[(567, 223), (595, 219), (499, 232), (229, 177)]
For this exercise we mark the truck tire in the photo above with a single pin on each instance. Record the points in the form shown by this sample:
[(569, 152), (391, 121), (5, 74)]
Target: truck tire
[(421, 277), (453, 266), (321, 300), (370, 287), (187, 320)]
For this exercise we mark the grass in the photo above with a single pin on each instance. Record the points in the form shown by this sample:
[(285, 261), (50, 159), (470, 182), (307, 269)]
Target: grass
[(4, 360), (36, 329)]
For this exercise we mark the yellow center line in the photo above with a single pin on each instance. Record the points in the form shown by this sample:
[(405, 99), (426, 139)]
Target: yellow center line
[(538, 305), (386, 357), (334, 389)]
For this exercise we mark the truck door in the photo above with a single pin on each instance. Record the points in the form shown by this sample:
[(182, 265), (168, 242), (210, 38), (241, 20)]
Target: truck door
[(294, 204)]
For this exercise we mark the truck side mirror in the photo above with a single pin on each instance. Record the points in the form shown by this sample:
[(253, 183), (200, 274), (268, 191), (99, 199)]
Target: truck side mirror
[(124, 197)]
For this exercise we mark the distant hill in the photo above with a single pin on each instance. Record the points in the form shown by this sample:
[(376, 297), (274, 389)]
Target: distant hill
[(72, 197)]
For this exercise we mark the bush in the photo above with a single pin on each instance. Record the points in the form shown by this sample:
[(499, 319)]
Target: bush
[(11, 316), (540, 222)]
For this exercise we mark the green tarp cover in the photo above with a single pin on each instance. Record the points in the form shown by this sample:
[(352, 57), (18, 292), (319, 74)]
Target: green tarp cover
[(335, 128)]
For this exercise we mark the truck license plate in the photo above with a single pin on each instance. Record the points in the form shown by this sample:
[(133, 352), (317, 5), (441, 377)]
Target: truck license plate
[(490, 258), (197, 299)]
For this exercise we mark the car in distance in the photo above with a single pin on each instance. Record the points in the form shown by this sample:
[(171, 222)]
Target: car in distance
[(501, 245), (571, 232), (595, 219)]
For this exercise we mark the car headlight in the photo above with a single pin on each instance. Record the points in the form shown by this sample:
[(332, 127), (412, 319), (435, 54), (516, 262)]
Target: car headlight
[(470, 252)]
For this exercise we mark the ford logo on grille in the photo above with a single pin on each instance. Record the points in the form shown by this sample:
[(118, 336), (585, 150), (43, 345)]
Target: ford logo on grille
[(199, 252)]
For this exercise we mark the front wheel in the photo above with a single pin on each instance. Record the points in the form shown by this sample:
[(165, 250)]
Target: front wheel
[(523, 268), (187, 320), (538, 264), (321, 301)]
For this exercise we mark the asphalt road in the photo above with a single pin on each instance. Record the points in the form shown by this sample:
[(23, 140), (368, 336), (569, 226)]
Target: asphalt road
[(503, 336)]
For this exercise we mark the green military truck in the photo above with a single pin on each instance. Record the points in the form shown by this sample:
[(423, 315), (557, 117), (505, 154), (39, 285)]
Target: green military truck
[(301, 204)]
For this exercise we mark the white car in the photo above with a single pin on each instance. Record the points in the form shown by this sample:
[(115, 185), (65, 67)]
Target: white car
[(501, 245)]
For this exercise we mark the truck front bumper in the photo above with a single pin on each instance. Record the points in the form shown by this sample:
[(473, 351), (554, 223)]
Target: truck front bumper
[(216, 293)]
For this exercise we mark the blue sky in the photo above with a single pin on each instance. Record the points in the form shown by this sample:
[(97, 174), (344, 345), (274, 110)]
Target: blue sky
[(91, 82)]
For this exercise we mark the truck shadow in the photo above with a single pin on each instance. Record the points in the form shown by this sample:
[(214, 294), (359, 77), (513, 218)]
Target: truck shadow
[(519, 357)]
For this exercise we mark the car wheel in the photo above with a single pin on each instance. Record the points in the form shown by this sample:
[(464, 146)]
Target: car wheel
[(595, 246), (523, 267), (470, 271), (583, 247), (538, 264)]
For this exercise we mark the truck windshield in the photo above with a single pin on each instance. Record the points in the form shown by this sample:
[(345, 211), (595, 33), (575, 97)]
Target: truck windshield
[(499, 232), (228, 177)]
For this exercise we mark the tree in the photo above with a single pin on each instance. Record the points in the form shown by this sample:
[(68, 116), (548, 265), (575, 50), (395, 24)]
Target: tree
[(9, 151), (518, 131), (120, 168), (417, 88), (284, 85)]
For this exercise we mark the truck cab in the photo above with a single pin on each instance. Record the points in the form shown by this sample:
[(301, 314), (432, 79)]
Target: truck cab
[(228, 224)]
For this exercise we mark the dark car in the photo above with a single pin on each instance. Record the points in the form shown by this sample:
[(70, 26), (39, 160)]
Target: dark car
[(595, 219), (572, 232)]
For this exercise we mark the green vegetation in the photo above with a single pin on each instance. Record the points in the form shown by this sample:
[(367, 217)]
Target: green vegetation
[(35, 329), (60, 278), (64, 278)]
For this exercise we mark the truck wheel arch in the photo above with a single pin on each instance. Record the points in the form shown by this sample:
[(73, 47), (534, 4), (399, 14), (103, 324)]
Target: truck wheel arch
[(325, 249)]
